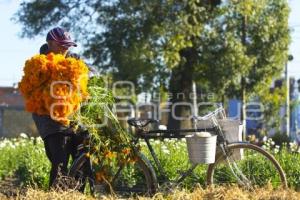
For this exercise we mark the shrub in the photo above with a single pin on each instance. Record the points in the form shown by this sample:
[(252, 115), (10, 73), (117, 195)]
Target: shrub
[(25, 159)]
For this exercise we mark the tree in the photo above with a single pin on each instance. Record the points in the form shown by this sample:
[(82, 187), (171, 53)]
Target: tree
[(153, 42), (260, 32), (273, 100)]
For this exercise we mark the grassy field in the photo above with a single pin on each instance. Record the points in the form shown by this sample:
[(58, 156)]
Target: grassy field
[(24, 171)]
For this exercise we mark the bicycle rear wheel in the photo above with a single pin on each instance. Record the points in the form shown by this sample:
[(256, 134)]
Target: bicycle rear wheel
[(246, 165)]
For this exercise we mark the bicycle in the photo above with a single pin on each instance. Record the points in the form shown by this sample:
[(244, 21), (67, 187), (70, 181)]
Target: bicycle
[(83, 171), (226, 169)]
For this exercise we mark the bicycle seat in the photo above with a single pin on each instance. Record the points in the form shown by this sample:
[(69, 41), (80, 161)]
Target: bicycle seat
[(140, 123)]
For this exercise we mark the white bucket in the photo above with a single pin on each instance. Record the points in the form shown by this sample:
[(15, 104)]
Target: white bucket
[(201, 149)]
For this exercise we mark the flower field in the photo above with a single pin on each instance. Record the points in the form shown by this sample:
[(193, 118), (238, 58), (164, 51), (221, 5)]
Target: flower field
[(23, 159)]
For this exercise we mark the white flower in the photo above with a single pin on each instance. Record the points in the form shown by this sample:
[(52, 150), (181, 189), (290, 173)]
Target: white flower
[(267, 144), (293, 146), (179, 146), (23, 135), (39, 140), (6, 142), (2, 145), (157, 142), (143, 143), (265, 138), (166, 151)]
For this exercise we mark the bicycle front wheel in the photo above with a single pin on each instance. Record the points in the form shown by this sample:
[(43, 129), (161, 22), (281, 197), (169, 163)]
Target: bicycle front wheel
[(138, 178), (82, 172), (131, 178), (246, 165)]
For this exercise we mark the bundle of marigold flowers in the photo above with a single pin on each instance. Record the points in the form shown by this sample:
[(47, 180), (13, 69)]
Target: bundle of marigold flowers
[(54, 85)]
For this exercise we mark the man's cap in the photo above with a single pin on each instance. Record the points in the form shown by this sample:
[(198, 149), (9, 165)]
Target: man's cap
[(61, 36)]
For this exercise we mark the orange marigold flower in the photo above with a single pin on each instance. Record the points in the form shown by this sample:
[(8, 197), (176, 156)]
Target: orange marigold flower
[(126, 151), (53, 85), (110, 155)]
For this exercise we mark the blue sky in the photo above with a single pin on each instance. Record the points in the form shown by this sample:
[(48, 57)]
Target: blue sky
[(15, 50)]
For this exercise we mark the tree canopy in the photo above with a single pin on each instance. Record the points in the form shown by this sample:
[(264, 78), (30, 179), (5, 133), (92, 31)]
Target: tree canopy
[(148, 36), (171, 42)]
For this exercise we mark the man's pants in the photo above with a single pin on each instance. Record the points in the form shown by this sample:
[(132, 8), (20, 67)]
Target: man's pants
[(58, 150)]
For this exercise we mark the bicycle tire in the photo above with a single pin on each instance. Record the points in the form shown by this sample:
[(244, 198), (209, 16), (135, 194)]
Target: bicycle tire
[(142, 163), (82, 172), (262, 168), (147, 183)]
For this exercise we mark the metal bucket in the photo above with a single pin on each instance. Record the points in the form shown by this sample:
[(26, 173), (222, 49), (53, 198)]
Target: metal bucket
[(201, 149)]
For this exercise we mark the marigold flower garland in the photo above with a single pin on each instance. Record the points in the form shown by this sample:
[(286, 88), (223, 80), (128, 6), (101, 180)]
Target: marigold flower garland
[(54, 85)]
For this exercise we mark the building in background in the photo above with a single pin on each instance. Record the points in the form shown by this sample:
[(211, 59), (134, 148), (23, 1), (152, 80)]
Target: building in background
[(254, 123), (13, 118)]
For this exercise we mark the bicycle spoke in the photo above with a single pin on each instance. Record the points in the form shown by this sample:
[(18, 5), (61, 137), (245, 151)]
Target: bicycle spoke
[(256, 168)]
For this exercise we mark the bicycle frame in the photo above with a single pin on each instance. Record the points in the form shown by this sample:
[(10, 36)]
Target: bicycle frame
[(181, 133)]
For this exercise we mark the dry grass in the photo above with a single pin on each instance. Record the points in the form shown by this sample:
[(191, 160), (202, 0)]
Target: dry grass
[(219, 193), (230, 193)]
